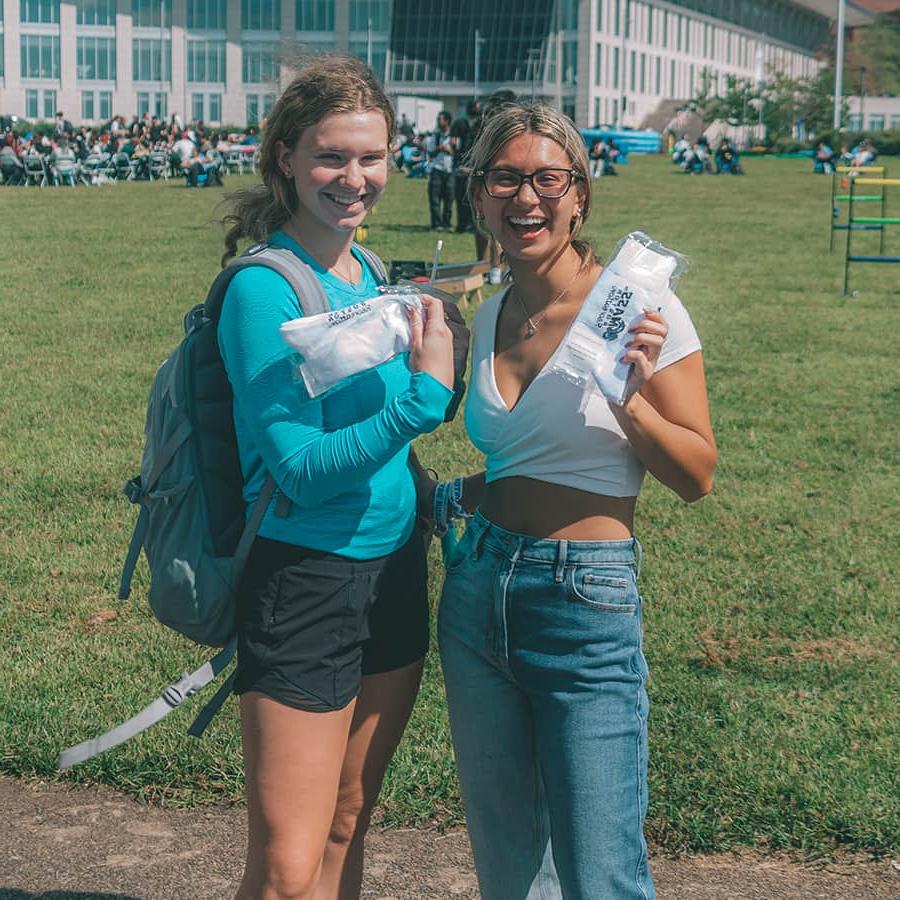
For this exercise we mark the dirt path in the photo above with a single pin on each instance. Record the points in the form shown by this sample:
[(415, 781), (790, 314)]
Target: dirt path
[(64, 843)]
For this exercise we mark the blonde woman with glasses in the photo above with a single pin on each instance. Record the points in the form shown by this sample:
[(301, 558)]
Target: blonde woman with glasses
[(540, 618)]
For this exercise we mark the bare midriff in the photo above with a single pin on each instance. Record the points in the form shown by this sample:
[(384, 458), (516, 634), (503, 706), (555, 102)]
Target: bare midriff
[(545, 510)]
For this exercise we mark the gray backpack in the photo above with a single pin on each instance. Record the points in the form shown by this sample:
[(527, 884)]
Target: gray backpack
[(192, 525)]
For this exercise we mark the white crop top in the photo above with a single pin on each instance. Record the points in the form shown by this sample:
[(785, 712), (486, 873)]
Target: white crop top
[(553, 434)]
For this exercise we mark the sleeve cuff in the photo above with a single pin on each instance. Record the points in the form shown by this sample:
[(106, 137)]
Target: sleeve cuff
[(426, 401)]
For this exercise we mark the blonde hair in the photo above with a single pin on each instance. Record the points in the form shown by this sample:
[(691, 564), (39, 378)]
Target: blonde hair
[(516, 118), (322, 87)]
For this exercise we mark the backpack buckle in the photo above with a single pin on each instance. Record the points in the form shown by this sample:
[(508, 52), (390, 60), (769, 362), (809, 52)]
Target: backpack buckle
[(176, 694), (133, 490)]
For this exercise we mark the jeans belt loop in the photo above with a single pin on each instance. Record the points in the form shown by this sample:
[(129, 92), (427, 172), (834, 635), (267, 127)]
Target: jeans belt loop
[(638, 556), (478, 543), (562, 549)]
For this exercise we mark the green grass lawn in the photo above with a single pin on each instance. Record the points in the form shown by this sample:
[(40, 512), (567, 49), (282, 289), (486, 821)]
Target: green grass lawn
[(771, 622)]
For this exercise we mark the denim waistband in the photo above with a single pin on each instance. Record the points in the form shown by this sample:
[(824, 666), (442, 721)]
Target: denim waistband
[(555, 552)]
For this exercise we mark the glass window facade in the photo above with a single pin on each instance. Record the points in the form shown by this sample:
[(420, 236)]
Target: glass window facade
[(314, 15), (376, 11), (214, 113), (39, 11), (432, 40), (49, 104), (151, 59), (259, 64), (261, 15), (95, 12), (206, 61), (40, 56), (105, 104), (87, 104), (96, 59), (31, 103), (778, 19), (151, 13), (207, 15), (377, 51), (876, 123)]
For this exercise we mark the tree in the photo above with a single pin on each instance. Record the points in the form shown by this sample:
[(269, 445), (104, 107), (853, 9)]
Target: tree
[(877, 48), (737, 105)]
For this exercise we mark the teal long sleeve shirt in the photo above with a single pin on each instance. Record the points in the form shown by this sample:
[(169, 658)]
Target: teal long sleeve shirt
[(342, 458)]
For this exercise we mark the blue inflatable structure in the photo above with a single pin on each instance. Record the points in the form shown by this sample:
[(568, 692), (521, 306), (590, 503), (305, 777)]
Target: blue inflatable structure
[(626, 141)]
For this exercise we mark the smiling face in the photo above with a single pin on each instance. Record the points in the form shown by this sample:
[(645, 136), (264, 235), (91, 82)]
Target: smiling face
[(339, 169), (528, 226)]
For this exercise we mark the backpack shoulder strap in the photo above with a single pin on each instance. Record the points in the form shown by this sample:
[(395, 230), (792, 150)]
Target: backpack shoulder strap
[(172, 697), (300, 276), (373, 260)]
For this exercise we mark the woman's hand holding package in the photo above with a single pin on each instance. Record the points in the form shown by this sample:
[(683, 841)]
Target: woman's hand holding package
[(431, 347), (648, 337)]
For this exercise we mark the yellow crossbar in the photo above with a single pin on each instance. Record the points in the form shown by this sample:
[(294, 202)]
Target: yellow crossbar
[(892, 181), (860, 169)]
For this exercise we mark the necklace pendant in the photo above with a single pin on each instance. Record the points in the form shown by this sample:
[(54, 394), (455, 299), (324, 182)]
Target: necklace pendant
[(531, 331)]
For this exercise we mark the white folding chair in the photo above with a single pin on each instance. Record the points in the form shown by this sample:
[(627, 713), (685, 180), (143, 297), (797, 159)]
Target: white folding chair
[(65, 171), (35, 170), (158, 165)]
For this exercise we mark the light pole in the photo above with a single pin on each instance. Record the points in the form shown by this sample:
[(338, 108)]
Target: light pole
[(162, 54), (479, 40), (760, 87), (839, 66), (369, 43), (532, 55), (862, 98)]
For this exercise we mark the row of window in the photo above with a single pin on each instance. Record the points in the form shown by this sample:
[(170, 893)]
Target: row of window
[(874, 122), (151, 59), (641, 21), (674, 31), (97, 105), (256, 15), (649, 74)]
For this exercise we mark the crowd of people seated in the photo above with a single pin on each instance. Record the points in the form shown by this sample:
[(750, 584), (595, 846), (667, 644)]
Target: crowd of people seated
[(696, 158), (147, 147), (825, 159)]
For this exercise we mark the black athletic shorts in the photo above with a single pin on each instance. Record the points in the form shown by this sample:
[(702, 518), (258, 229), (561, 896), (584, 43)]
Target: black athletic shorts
[(311, 624)]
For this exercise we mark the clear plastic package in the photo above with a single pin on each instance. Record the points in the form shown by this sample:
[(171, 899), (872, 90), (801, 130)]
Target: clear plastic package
[(341, 343), (640, 276)]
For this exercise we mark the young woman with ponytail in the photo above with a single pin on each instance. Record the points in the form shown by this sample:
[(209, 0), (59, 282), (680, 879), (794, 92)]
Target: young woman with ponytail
[(333, 616)]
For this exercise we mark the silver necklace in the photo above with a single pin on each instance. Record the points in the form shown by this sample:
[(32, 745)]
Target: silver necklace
[(534, 322)]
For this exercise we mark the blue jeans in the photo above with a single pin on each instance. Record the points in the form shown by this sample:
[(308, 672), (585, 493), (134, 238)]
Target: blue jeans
[(541, 648)]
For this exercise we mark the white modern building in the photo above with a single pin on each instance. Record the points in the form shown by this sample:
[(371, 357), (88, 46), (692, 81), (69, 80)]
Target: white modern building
[(602, 61), (873, 113)]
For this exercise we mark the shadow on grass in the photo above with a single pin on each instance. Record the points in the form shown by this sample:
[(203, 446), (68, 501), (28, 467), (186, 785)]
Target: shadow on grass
[(16, 894)]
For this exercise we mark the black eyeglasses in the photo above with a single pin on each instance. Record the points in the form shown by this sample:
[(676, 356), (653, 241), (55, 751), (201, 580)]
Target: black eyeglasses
[(503, 184)]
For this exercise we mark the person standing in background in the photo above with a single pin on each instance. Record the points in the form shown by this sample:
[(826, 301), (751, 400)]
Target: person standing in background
[(440, 177), (461, 134)]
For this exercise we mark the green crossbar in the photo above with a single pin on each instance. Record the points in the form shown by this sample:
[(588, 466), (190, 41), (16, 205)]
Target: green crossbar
[(863, 198), (875, 220)]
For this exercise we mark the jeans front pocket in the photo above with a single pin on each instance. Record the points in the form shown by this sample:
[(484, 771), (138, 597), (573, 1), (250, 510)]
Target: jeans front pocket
[(609, 589)]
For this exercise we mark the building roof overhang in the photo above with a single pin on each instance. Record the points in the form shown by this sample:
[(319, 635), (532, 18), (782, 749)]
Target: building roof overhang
[(856, 15)]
